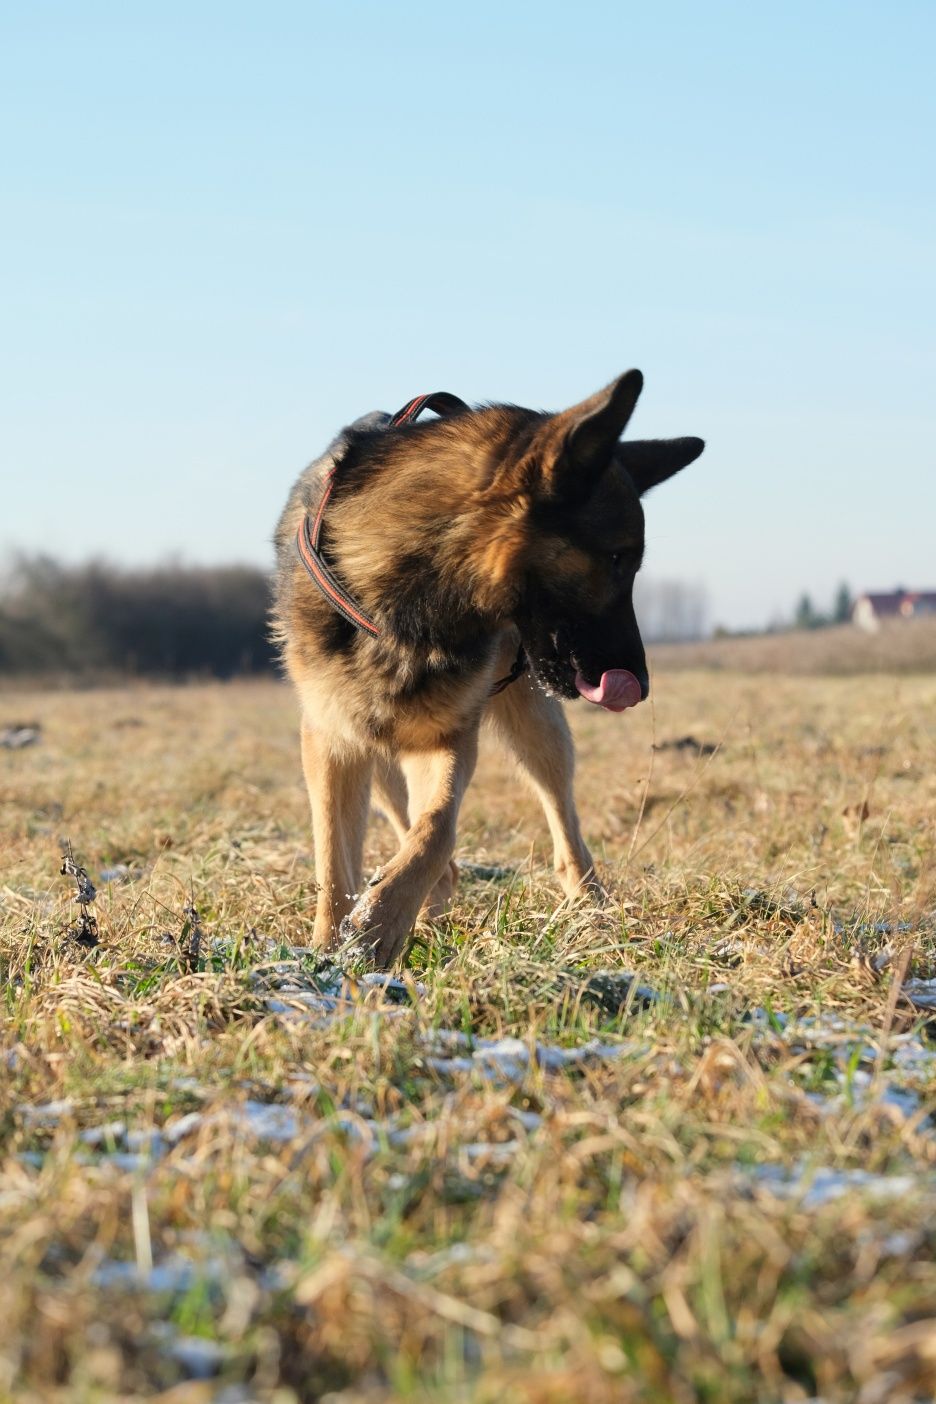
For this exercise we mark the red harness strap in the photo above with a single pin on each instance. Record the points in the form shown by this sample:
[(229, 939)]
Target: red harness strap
[(308, 537), (441, 402), (307, 540)]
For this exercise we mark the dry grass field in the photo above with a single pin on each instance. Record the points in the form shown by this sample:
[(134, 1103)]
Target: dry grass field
[(905, 646), (680, 1148)]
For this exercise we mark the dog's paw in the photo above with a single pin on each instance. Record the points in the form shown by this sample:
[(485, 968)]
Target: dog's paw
[(583, 886), (594, 890), (368, 939)]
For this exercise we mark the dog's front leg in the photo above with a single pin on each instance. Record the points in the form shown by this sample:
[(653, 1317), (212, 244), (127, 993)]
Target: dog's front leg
[(339, 787), (380, 923), (533, 727)]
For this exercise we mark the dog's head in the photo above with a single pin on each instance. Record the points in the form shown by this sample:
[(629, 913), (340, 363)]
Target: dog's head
[(579, 533)]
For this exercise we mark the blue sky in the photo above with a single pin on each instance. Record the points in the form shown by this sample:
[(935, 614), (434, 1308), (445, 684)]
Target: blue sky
[(229, 228)]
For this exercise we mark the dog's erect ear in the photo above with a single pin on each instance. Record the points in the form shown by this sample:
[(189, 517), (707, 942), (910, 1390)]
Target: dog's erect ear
[(652, 461), (595, 427)]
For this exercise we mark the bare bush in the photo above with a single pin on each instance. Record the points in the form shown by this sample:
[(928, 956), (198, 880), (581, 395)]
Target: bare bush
[(670, 611), (165, 621)]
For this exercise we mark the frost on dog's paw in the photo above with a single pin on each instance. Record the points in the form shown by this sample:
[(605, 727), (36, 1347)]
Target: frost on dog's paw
[(362, 944), (357, 948), (376, 931)]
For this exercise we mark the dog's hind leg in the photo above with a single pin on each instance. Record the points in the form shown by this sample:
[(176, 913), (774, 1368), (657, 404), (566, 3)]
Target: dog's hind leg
[(339, 789), (533, 727), (382, 920), (392, 795)]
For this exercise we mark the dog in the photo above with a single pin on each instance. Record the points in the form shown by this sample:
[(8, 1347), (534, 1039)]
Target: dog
[(430, 575)]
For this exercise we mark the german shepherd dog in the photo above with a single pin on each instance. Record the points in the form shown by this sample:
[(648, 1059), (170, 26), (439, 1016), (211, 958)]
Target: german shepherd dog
[(450, 550)]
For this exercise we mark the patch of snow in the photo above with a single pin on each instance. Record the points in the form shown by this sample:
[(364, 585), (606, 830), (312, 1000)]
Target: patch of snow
[(47, 1113), (199, 1358), (816, 1187)]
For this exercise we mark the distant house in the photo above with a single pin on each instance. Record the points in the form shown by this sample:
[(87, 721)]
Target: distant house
[(870, 611)]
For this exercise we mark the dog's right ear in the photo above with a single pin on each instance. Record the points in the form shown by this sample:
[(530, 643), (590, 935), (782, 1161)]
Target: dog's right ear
[(594, 427), (652, 461)]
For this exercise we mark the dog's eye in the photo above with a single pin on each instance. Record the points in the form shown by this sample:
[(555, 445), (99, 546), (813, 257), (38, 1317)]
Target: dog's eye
[(624, 562)]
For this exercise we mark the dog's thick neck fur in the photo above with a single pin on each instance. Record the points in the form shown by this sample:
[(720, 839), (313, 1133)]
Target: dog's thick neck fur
[(441, 567)]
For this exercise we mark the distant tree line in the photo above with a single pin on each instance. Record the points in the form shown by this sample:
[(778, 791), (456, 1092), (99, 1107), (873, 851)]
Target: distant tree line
[(167, 621), (808, 617), (670, 611)]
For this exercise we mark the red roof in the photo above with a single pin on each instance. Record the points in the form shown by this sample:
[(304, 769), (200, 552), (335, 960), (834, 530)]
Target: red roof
[(903, 602)]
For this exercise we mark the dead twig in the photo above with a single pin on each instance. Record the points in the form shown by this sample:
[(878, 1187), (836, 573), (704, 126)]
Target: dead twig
[(86, 931), (190, 942)]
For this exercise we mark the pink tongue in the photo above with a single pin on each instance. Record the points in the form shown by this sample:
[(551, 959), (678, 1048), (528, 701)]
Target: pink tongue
[(617, 690)]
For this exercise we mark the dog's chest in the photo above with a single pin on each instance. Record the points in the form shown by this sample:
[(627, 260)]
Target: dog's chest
[(401, 701)]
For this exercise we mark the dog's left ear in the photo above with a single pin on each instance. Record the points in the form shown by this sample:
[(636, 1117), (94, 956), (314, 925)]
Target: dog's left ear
[(652, 461), (595, 426)]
